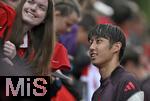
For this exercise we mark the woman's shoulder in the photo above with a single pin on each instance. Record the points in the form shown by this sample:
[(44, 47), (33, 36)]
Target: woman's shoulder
[(9, 12), (6, 7), (7, 15)]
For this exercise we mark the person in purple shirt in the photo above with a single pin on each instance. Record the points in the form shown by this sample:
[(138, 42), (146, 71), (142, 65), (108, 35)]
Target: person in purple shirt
[(107, 45), (68, 39)]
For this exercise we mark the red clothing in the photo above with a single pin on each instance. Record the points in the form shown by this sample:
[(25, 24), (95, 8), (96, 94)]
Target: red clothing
[(63, 95), (104, 20), (60, 58), (7, 16)]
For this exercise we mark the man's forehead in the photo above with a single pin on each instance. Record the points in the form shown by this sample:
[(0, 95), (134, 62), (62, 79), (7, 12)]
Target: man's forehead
[(97, 38), (94, 37)]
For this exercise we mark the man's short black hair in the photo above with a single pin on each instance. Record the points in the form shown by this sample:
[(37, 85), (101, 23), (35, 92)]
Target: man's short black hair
[(112, 33), (66, 8)]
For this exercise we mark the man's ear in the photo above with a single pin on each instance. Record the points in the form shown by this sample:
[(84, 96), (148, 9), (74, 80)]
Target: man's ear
[(57, 13), (116, 47)]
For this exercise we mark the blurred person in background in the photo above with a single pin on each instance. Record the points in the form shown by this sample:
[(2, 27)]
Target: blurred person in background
[(82, 68), (81, 58), (145, 57), (146, 88), (132, 63), (122, 16), (145, 61), (66, 15), (68, 39), (131, 19)]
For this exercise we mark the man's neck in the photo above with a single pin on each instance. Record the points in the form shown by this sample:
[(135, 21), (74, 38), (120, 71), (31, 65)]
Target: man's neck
[(107, 69)]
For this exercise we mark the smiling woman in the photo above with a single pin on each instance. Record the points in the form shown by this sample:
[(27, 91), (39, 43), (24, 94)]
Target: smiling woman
[(34, 12), (32, 34)]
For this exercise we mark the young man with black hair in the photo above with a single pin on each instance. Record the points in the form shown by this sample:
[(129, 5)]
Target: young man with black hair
[(106, 50)]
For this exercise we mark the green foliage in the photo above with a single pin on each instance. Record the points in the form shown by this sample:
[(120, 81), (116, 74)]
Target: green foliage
[(145, 6)]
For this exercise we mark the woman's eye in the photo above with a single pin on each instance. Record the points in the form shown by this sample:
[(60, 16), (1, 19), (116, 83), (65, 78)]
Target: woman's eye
[(42, 7)]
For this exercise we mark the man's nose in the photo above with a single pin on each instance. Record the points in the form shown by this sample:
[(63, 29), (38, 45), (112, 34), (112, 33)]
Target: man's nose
[(93, 46)]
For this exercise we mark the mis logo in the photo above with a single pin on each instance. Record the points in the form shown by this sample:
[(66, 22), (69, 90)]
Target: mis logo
[(25, 86)]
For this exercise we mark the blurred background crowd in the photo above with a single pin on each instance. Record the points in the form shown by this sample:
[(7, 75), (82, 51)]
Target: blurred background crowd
[(83, 79)]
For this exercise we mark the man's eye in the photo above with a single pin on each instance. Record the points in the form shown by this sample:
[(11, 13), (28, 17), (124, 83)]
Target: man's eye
[(98, 41)]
